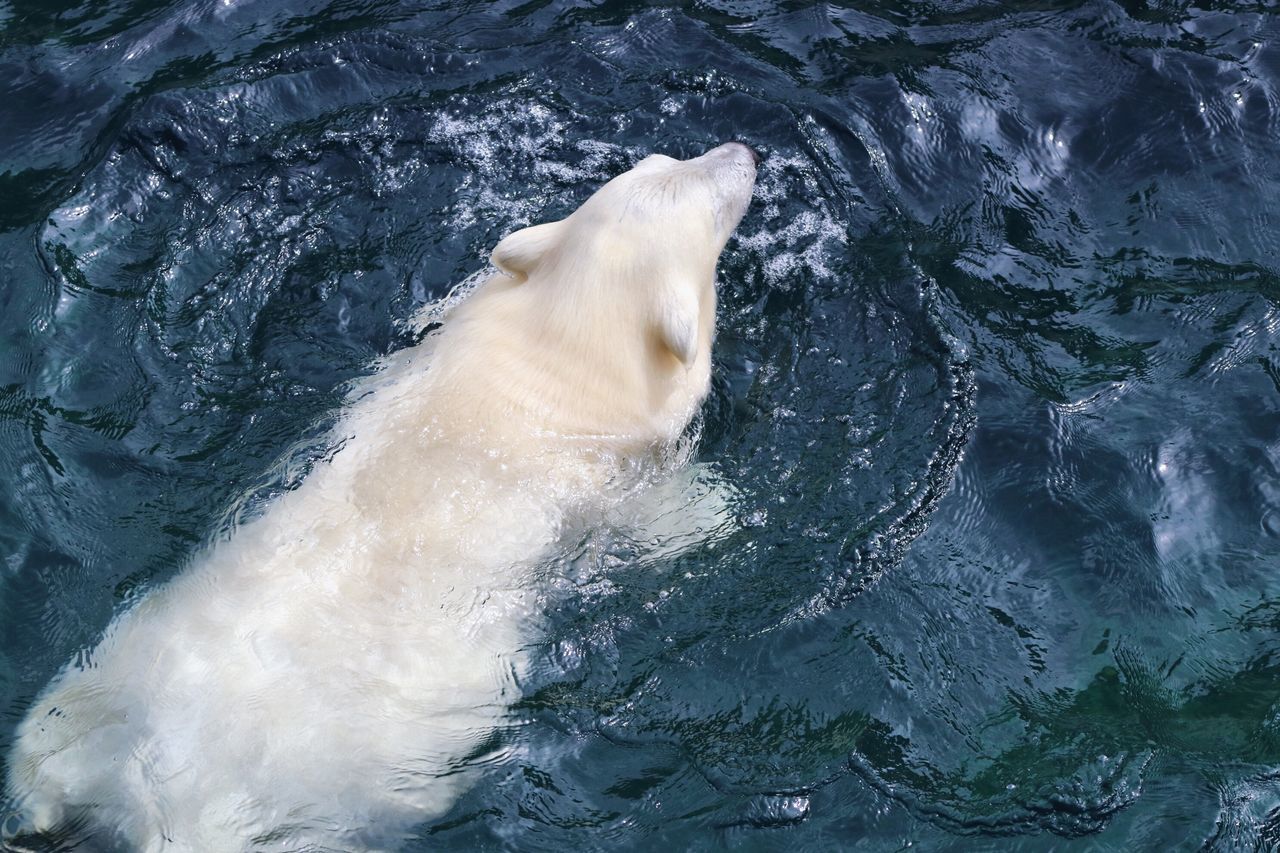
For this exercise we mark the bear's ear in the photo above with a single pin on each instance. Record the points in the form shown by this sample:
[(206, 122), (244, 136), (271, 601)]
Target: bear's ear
[(519, 252), (678, 322)]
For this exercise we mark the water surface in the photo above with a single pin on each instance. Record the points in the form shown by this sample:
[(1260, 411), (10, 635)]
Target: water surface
[(996, 378)]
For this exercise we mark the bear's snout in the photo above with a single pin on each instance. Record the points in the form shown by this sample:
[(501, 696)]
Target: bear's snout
[(755, 155)]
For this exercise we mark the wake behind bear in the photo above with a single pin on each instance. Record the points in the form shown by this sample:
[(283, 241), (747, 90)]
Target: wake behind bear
[(322, 678)]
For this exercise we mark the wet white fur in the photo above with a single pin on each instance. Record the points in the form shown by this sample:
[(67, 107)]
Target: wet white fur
[(329, 674)]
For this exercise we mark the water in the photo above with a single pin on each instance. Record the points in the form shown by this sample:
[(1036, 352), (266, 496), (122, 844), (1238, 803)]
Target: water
[(996, 383)]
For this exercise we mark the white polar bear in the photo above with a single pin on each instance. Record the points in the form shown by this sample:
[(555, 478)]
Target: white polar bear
[(327, 677)]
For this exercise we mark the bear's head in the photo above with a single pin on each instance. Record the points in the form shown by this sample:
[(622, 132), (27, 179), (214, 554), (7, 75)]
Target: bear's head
[(645, 245)]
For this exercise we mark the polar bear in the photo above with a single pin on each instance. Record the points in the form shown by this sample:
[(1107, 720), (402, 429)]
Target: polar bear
[(329, 676)]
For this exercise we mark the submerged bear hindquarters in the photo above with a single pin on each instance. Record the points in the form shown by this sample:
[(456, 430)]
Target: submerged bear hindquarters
[(327, 674)]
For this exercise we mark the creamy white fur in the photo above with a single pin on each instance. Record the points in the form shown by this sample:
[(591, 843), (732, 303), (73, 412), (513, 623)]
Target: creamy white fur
[(329, 674)]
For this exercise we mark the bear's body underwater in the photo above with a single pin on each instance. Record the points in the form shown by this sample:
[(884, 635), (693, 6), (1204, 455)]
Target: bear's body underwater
[(322, 677)]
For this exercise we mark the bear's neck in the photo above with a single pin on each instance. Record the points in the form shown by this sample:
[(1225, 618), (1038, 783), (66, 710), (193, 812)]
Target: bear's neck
[(523, 359)]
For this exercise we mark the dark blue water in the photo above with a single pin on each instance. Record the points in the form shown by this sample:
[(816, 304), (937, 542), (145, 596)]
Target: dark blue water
[(996, 379)]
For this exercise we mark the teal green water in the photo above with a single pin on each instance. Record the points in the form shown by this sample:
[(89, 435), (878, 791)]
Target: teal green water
[(996, 376)]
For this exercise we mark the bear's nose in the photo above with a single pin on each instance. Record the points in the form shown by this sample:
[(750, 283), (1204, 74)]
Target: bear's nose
[(755, 155)]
